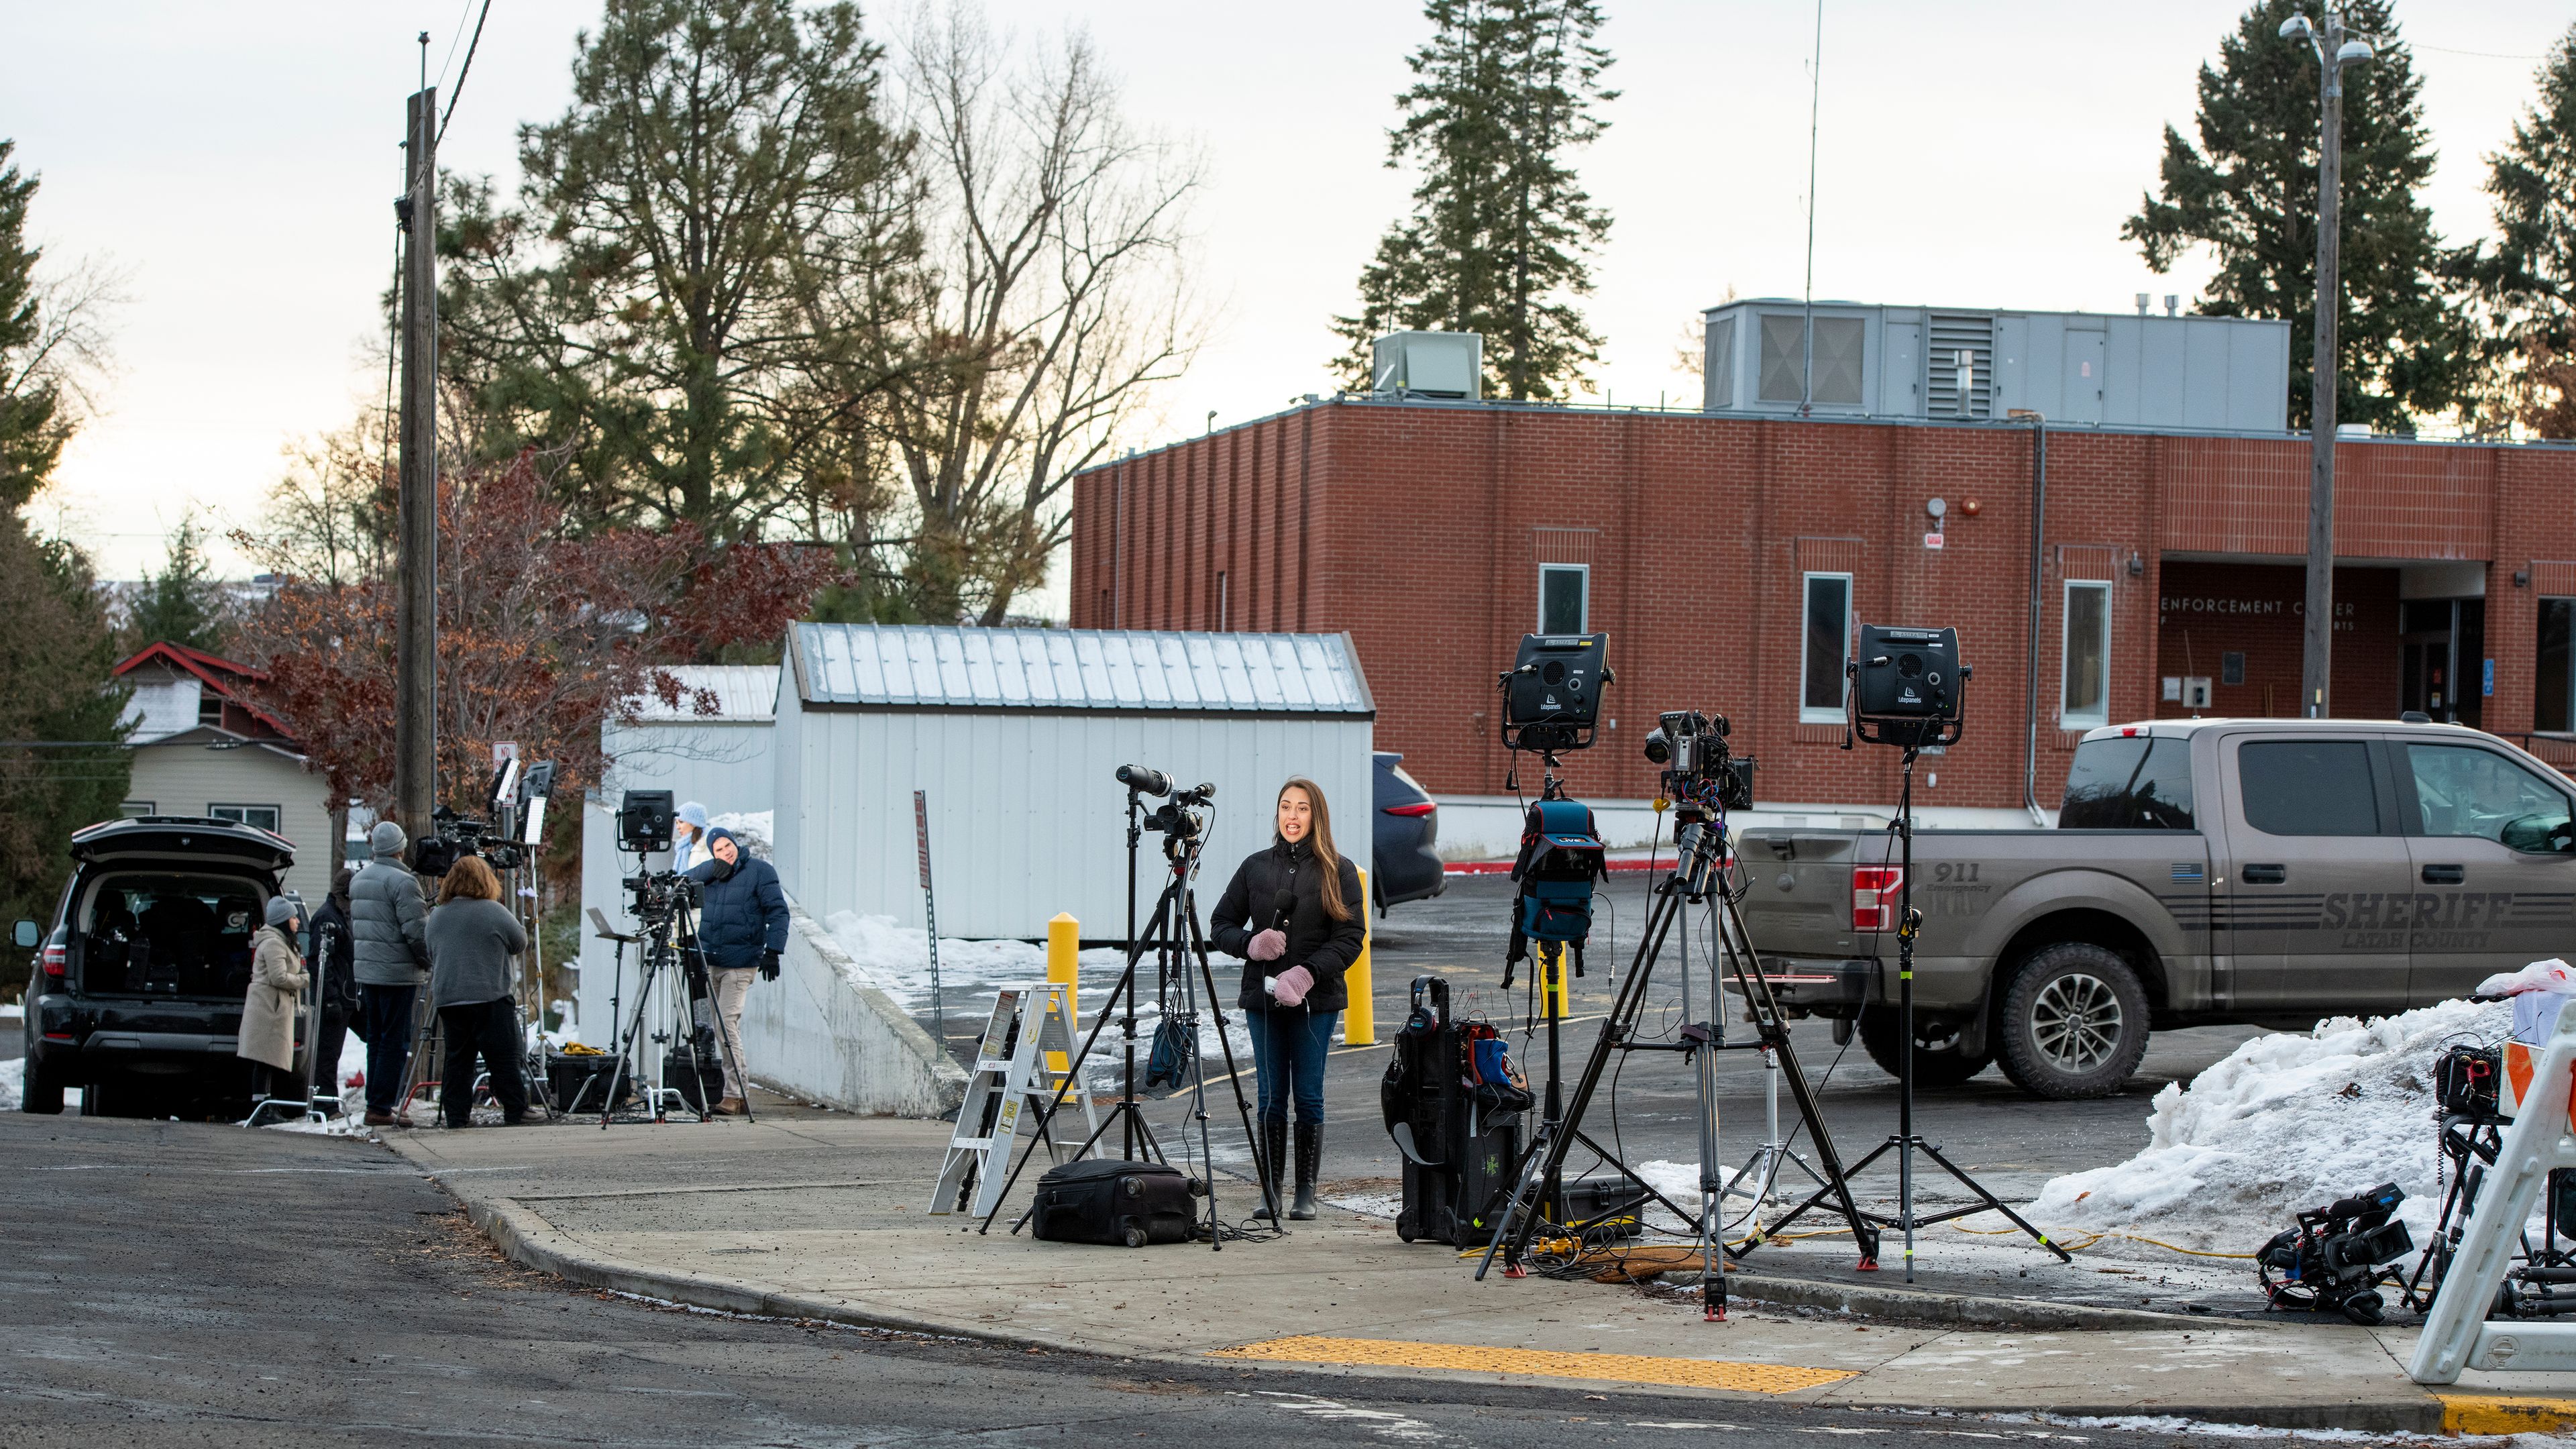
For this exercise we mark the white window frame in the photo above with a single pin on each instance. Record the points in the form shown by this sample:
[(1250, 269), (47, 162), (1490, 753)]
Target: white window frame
[(279, 811), (137, 809), (2095, 718), (1583, 572), (1815, 714)]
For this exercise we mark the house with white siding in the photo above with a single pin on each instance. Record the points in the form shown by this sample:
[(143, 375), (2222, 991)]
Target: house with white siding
[(203, 748)]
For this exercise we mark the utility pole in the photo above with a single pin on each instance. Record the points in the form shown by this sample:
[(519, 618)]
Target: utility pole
[(2316, 662), (416, 566)]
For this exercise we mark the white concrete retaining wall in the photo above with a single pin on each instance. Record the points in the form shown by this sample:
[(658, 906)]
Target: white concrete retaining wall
[(818, 1035)]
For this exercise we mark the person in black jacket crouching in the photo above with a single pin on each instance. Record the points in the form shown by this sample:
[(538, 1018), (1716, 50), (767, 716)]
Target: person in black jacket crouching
[(742, 928), (1292, 912)]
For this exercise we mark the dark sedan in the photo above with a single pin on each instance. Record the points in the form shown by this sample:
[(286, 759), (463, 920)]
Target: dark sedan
[(1406, 864)]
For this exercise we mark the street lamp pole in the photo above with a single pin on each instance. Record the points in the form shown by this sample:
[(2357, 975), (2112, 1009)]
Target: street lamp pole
[(2334, 52)]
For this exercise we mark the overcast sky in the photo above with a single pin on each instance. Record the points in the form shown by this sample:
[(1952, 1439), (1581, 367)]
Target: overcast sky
[(238, 162)]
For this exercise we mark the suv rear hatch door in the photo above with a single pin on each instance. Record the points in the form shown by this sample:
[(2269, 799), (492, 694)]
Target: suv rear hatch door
[(173, 839)]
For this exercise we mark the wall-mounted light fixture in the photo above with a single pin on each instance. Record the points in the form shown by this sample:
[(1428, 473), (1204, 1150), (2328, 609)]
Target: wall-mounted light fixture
[(2521, 579), (2137, 564)]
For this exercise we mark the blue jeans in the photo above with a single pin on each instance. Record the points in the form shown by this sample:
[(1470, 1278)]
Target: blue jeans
[(1288, 1050), (387, 1013)]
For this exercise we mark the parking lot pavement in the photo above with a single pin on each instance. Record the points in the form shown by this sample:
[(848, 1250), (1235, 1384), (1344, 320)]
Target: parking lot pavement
[(2008, 1139)]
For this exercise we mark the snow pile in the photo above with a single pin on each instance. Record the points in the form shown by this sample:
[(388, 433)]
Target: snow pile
[(2285, 1122), (895, 959), (755, 830), (13, 1082)]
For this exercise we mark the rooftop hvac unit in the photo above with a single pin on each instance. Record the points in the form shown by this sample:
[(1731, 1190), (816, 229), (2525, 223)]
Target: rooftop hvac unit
[(1428, 364)]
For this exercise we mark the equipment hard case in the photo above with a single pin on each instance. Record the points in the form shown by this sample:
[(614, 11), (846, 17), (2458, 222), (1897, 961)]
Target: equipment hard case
[(1106, 1200)]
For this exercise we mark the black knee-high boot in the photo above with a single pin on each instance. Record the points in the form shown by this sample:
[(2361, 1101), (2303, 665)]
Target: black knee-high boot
[(1310, 1161), (1274, 1156)]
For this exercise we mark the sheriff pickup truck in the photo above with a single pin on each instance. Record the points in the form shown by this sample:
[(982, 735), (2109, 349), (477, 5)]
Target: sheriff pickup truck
[(2271, 872)]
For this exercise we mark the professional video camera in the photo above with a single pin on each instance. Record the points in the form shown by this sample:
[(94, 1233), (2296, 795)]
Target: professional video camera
[(2338, 1255), (1552, 692), (661, 895), (1691, 747), (1179, 817), (506, 838)]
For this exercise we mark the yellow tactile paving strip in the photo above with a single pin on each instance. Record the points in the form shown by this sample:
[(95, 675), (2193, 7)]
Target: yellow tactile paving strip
[(2505, 1414), (1634, 1368)]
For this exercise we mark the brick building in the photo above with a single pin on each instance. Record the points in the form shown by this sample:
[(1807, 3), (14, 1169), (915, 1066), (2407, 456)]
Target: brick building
[(1712, 546)]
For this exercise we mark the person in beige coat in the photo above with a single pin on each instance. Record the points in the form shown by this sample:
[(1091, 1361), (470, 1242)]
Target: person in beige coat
[(277, 981)]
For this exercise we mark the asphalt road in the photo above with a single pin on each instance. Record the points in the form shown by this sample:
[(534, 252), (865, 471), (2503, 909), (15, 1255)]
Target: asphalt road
[(172, 1284)]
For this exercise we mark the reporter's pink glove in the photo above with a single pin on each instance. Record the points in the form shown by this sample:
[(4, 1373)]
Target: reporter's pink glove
[(1268, 946), (1294, 983)]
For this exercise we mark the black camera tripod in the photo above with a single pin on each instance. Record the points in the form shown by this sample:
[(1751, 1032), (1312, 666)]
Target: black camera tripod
[(1172, 936), (1695, 878), (658, 956)]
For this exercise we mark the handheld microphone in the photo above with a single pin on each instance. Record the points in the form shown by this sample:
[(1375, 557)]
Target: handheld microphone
[(1282, 906), (1144, 781)]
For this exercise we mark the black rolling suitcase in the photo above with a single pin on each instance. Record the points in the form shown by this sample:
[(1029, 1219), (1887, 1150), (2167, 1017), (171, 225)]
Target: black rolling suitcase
[(1106, 1200)]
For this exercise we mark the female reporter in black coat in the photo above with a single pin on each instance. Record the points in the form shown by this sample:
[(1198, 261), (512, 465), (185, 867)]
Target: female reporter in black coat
[(1293, 912)]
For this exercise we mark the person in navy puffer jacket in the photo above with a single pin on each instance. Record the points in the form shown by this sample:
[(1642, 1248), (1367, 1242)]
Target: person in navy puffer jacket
[(742, 928)]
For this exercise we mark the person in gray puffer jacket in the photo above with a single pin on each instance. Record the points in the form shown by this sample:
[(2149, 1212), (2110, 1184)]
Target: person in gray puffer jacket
[(389, 936)]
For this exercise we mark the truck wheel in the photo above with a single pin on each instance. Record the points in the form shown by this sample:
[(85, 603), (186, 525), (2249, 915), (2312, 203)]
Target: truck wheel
[(43, 1092), (2075, 1022), (1938, 1062)]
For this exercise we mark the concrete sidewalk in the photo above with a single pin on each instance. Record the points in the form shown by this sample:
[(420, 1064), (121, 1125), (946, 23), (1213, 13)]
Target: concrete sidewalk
[(822, 1215)]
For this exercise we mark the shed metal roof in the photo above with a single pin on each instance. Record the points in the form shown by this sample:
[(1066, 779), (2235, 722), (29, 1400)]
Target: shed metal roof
[(742, 693), (1124, 670)]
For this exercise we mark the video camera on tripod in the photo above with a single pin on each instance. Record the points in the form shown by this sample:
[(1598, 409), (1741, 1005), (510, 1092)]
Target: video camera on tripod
[(666, 949), (506, 838), (1182, 816), (1697, 766)]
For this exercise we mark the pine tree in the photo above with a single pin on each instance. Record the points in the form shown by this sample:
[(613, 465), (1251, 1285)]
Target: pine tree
[(1502, 233), (56, 651), (2526, 287), (182, 604), (2248, 192), (33, 427)]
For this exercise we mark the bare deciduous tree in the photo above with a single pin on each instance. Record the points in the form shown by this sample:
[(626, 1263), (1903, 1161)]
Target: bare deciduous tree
[(1053, 295)]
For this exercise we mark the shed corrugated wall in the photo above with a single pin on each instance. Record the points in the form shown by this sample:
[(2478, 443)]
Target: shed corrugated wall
[(1027, 817)]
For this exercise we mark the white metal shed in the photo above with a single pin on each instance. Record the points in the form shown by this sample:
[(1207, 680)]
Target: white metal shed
[(1017, 735)]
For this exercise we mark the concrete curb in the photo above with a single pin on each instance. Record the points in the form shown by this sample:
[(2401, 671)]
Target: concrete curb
[(1966, 1310), (529, 1240)]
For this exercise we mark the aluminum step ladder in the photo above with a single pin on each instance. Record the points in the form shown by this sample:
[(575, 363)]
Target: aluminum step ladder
[(1020, 1065)]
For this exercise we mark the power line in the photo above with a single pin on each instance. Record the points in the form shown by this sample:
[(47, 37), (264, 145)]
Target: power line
[(462, 72), (2473, 54)]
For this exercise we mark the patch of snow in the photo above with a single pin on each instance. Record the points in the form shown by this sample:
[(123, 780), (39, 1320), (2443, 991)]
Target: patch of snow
[(895, 959), (1370, 1205), (2286, 1121), (755, 830), (13, 1083)]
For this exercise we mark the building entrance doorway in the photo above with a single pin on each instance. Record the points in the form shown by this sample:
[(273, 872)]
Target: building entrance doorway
[(2438, 639)]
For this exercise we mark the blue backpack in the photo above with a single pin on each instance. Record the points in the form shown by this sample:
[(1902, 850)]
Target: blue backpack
[(1561, 858)]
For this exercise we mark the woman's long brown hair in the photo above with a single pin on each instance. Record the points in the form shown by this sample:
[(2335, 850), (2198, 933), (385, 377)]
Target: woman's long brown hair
[(1322, 836), (469, 879)]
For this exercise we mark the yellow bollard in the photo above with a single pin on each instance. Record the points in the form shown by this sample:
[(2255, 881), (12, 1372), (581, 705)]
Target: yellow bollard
[(1064, 945), (1359, 1019)]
